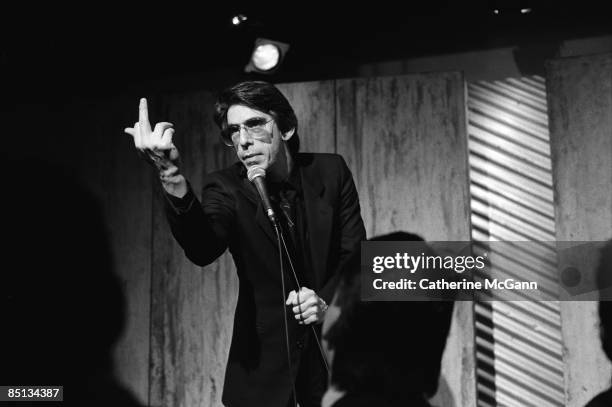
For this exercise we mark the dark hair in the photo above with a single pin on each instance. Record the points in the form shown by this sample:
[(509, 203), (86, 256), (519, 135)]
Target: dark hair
[(262, 96), (388, 348)]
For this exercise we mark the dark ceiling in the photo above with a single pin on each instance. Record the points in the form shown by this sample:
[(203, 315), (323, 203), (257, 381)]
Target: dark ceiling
[(93, 49)]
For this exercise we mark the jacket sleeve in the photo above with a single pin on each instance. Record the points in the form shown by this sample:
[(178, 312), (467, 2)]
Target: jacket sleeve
[(202, 229), (352, 230)]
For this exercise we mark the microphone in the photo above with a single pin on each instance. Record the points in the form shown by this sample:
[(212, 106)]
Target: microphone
[(257, 176)]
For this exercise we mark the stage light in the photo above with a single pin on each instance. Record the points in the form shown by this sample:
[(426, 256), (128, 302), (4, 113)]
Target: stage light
[(267, 56), (239, 19), (496, 11), (525, 10)]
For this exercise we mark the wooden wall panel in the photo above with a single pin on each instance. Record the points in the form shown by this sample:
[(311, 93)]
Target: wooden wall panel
[(106, 162), (580, 109), (192, 307), (313, 103), (404, 139), (129, 209)]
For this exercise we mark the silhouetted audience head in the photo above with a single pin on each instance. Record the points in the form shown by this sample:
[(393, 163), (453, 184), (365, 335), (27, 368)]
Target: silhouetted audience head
[(604, 285), (62, 307), (385, 351)]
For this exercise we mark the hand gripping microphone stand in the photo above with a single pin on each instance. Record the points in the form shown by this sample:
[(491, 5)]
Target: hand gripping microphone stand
[(257, 175)]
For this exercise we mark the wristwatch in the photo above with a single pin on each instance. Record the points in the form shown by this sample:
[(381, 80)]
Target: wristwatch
[(325, 306)]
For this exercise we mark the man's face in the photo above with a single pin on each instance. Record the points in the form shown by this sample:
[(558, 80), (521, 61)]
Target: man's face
[(267, 148)]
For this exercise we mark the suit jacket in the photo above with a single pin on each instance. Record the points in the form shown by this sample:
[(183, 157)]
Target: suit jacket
[(231, 216)]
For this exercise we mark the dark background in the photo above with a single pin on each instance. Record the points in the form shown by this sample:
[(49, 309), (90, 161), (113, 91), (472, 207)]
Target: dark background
[(93, 50), (70, 79)]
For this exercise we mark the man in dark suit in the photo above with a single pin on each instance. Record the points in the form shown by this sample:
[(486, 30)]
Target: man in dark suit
[(274, 346)]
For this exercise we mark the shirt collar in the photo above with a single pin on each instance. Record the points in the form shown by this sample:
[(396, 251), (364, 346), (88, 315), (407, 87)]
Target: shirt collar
[(292, 183)]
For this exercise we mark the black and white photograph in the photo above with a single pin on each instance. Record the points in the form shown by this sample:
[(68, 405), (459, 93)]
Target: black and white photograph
[(302, 204)]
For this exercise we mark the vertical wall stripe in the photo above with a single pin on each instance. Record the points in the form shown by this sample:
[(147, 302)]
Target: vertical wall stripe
[(518, 343)]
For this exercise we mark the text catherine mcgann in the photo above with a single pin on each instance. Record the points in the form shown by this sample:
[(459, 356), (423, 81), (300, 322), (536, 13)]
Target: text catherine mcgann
[(458, 264)]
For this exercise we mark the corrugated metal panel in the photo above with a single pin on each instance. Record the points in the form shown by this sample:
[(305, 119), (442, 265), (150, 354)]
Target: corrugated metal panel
[(518, 343)]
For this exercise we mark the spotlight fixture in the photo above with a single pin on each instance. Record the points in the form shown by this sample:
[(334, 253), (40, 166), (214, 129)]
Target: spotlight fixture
[(267, 56), (238, 19)]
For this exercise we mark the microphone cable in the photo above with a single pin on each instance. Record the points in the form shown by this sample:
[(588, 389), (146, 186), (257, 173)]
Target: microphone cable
[(299, 288), (282, 247), (286, 326)]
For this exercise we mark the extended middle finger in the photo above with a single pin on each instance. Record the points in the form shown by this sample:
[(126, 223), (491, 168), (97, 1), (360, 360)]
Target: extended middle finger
[(143, 116)]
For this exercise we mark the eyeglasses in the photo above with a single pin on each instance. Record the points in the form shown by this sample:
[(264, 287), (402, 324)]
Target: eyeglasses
[(254, 127)]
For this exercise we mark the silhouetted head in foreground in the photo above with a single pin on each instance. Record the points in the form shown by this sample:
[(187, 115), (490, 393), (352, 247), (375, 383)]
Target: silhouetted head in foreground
[(62, 307), (385, 351), (604, 284)]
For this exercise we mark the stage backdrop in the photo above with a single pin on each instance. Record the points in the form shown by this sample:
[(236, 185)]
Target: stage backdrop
[(580, 109), (404, 139)]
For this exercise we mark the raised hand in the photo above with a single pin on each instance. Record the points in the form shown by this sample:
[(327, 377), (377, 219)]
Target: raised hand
[(155, 145)]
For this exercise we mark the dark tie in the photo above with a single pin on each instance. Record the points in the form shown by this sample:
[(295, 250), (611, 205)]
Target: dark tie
[(287, 206)]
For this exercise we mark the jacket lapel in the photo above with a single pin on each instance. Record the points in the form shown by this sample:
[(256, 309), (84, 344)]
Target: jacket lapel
[(318, 215), (318, 219)]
